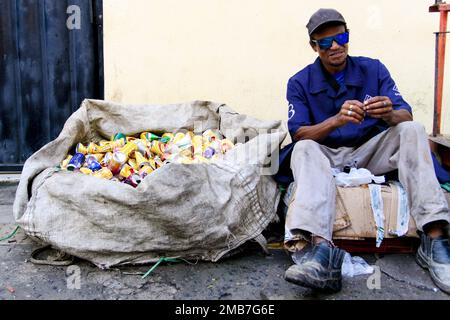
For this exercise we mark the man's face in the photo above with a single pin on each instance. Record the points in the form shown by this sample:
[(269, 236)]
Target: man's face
[(337, 54)]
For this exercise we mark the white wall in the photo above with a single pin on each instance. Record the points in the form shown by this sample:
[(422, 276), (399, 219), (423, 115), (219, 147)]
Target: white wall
[(242, 52)]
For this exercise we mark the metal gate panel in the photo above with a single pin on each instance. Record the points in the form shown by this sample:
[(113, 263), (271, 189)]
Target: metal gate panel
[(46, 71)]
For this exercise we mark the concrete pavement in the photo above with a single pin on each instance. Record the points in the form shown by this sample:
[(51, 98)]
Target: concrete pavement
[(248, 275)]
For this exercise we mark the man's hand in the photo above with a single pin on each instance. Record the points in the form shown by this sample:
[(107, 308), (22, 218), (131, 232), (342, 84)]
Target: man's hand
[(351, 111), (379, 108)]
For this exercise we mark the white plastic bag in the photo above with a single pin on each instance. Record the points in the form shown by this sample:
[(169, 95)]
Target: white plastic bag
[(355, 266), (356, 177)]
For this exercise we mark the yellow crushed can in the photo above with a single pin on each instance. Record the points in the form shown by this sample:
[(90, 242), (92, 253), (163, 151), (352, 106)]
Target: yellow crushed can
[(158, 162), (169, 136), (103, 143), (86, 171), (128, 148), (117, 144), (145, 171), (152, 163), (104, 173), (65, 162), (81, 148), (197, 144), (158, 148), (96, 156), (178, 137), (92, 148), (141, 160), (132, 163), (126, 171)]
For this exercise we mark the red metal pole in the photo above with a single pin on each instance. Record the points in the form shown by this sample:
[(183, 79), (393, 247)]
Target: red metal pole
[(441, 36), (440, 65)]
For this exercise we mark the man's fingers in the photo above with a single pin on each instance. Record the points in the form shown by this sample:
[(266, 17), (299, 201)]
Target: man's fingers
[(352, 119), (377, 102), (373, 100), (378, 105), (379, 111), (354, 102), (349, 106), (352, 114)]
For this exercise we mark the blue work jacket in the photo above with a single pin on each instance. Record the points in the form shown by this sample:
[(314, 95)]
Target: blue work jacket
[(312, 99)]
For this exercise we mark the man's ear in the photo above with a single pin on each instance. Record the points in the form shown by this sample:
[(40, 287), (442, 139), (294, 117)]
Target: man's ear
[(313, 46)]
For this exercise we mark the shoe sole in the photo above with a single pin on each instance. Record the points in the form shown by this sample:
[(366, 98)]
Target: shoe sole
[(315, 284), (422, 261)]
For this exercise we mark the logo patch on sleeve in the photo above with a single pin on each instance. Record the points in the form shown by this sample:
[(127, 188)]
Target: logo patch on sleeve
[(396, 91), (367, 98), (291, 112)]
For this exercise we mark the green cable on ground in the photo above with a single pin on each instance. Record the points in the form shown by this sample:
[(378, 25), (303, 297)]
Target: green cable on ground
[(157, 264), (281, 188), (11, 235), (446, 186)]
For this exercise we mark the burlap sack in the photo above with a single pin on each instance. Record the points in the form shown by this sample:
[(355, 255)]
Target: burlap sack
[(200, 211)]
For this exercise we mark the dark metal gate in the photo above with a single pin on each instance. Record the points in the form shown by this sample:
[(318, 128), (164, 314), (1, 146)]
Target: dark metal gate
[(51, 58)]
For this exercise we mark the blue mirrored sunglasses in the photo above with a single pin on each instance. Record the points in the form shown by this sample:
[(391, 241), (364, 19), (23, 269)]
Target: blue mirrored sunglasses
[(326, 43)]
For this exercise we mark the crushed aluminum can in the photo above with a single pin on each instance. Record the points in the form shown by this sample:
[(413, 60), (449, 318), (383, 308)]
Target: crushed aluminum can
[(97, 156), (126, 171), (117, 161), (104, 173), (141, 160), (216, 146), (211, 135), (119, 136), (226, 145), (81, 148), (76, 162), (141, 146), (92, 148), (197, 144), (185, 142), (158, 161), (65, 162), (145, 171), (158, 148), (106, 159), (117, 144), (131, 139), (133, 164), (94, 166), (178, 137), (167, 137), (209, 153), (152, 163), (128, 149), (149, 136), (105, 148), (86, 171), (103, 143), (187, 152), (133, 180)]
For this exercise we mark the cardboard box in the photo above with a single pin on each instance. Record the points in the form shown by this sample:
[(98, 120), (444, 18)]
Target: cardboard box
[(355, 218)]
